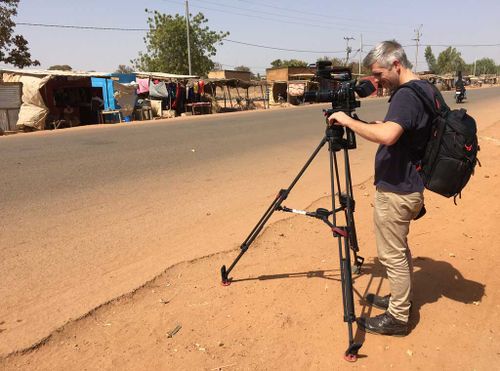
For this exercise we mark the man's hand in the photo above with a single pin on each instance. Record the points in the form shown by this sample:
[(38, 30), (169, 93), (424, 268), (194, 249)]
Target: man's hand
[(339, 118)]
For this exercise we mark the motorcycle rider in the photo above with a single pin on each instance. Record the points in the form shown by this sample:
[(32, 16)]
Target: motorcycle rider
[(459, 84)]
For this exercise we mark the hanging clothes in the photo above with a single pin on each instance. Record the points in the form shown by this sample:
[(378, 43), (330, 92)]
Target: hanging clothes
[(143, 86), (175, 103), (180, 99), (158, 90), (190, 94)]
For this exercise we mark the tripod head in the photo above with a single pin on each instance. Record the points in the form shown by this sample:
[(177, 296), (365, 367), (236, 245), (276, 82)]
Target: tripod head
[(335, 133)]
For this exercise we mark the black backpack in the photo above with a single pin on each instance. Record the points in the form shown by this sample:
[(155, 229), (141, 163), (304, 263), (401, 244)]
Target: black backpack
[(451, 152)]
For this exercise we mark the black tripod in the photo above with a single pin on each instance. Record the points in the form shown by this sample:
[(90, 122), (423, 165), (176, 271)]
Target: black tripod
[(346, 235)]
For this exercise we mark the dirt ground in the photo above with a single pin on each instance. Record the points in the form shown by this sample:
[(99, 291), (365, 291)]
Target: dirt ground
[(284, 309)]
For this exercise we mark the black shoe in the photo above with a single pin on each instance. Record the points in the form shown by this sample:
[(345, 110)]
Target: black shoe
[(380, 302), (383, 324)]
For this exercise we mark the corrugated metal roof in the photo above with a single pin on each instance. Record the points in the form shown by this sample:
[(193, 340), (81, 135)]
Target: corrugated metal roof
[(55, 73), (10, 95), (158, 75)]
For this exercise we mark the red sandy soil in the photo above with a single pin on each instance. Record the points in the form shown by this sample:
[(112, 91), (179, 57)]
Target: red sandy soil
[(284, 309)]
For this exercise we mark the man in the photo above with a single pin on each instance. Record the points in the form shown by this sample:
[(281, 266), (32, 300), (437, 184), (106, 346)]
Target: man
[(459, 83), (399, 188)]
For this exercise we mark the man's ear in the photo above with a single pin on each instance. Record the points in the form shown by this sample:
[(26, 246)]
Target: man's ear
[(397, 65)]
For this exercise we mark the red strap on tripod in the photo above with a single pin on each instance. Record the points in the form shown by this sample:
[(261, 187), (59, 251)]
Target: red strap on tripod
[(339, 231)]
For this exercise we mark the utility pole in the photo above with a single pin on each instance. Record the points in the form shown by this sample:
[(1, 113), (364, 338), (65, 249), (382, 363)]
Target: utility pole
[(360, 52), (348, 49), (417, 39), (187, 32)]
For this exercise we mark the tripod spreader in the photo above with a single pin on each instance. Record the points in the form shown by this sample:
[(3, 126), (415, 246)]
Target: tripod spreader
[(345, 235)]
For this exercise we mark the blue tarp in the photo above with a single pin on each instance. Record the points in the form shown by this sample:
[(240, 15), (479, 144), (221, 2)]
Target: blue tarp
[(107, 91)]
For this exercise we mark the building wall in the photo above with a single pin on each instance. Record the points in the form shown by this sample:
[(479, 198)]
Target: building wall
[(282, 74), (230, 74)]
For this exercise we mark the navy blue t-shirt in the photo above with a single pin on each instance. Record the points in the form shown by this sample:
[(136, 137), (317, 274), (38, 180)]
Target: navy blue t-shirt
[(395, 168)]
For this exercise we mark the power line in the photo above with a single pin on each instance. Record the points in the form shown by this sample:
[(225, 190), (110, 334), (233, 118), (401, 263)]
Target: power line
[(279, 20), (329, 17), (99, 28), (461, 45), (288, 50), (138, 29), (93, 28), (281, 15)]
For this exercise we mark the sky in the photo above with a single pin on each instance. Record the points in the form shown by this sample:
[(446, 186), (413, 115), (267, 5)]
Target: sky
[(313, 29)]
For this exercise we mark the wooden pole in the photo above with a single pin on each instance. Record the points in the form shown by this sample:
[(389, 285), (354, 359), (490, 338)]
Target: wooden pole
[(224, 93), (263, 96), (230, 98)]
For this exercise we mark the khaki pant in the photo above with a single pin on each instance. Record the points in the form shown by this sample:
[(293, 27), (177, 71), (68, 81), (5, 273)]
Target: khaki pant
[(392, 215)]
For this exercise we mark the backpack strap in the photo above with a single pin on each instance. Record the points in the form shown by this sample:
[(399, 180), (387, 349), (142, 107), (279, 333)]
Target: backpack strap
[(436, 107)]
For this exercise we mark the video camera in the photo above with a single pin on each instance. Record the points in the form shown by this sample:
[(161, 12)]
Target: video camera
[(336, 85)]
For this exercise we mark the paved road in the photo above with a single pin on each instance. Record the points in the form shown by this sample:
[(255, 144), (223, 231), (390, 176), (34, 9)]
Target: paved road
[(91, 213)]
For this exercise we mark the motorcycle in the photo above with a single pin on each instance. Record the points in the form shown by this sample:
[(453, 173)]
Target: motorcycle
[(459, 95)]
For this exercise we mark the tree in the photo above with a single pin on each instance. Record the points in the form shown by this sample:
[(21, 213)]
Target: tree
[(278, 63), (61, 67), (245, 69), (242, 68), (166, 44), (485, 66), (13, 48), (450, 60), (124, 69), (431, 60), (353, 65), (217, 66)]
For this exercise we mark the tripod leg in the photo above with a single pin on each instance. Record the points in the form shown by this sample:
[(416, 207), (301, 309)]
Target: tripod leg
[(343, 237), (349, 215), (351, 353), (283, 194)]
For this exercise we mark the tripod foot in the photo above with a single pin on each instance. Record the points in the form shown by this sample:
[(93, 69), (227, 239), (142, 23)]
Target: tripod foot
[(350, 357), (351, 354), (225, 280)]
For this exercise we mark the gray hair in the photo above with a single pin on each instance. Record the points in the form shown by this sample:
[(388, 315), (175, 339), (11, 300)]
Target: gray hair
[(385, 53)]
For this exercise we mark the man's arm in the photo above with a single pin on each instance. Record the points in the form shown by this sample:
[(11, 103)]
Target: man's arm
[(386, 133)]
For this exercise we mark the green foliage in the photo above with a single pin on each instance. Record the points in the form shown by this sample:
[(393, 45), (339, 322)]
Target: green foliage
[(354, 65), (338, 61), (485, 66), (124, 69), (242, 68), (13, 48), (278, 63), (61, 67), (431, 60), (449, 61), (217, 66), (166, 44), (245, 69)]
